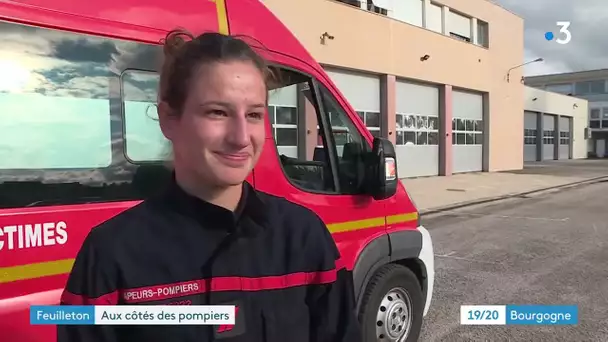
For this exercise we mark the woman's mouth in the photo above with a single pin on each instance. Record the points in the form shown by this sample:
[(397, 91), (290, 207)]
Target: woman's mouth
[(233, 159)]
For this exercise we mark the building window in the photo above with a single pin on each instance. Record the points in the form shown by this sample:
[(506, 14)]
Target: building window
[(467, 132), (564, 138), (354, 3), (482, 33), (564, 88), (284, 121), (459, 37), (595, 118), (409, 11), (376, 9), (459, 26), (371, 121), (590, 87), (548, 137), (434, 18), (598, 118), (530, 136), (414, 129)]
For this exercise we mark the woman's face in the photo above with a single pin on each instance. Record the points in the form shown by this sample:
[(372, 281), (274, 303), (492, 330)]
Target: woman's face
[(220, 133)]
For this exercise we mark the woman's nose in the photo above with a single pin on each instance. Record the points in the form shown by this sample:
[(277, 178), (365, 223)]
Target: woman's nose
[(238, 132)]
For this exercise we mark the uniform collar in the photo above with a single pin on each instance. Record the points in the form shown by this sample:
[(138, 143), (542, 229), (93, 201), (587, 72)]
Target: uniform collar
[(250, 207)]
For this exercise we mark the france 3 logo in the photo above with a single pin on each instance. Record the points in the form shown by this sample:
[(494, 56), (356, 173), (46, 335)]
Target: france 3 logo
[(564, 33)]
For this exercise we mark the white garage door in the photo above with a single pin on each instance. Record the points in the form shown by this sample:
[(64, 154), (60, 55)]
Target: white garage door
[(283, 112), (363, 93), (548, 137), (565, 139), (530, 136), (417, 130), (467, 131)]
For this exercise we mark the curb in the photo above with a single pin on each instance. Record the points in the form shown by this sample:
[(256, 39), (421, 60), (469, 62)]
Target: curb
[(503, 197)]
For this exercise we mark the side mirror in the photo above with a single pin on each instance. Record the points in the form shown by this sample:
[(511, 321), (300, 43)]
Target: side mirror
[(381, 170)]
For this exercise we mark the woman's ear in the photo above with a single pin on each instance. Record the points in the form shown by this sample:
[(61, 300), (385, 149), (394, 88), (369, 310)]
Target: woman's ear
[(167, 119)]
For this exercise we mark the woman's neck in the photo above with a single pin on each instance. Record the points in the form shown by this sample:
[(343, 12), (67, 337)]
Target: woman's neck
[(226, 197)]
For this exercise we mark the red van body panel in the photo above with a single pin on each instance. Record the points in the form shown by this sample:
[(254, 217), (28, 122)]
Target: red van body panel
[(138, 20), (148, 21)]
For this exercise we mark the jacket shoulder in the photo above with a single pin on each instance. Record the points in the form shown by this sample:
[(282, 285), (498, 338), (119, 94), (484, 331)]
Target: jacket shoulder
[(124, 223), (297, 221), (304, 232), (288, 211)]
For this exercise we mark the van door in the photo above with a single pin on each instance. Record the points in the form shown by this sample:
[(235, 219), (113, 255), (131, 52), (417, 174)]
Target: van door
[(314, 157)]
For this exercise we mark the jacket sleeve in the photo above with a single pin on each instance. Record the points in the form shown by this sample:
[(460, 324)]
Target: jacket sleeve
[(92, 281), (332, 299)]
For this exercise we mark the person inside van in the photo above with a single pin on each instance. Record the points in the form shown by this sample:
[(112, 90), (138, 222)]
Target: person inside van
[(210, 238)]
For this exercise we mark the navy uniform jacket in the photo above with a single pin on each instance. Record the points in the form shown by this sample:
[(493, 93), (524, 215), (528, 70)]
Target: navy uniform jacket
[(273, 259)]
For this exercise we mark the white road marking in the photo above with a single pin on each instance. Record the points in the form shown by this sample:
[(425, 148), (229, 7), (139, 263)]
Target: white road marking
[(450, 256), (512, 217)]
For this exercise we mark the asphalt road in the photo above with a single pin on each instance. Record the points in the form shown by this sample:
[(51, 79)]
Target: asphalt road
[(550, 248)]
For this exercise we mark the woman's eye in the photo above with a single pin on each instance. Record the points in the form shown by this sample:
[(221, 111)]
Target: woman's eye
[(217, 112), (256, 116)]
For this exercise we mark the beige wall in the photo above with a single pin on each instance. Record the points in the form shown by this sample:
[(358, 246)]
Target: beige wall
[(558, 104), (371, 42)]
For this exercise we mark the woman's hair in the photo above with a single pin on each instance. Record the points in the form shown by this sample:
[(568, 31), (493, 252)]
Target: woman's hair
[(184, 54)]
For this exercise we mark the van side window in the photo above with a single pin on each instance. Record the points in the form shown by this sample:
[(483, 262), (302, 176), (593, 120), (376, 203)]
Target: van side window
[(294, 117), (303, 147), (54, 101), (144, 141), (350, 145), (62, 139)]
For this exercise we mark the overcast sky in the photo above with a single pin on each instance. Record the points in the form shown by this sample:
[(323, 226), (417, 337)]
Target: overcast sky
[(588, 48)]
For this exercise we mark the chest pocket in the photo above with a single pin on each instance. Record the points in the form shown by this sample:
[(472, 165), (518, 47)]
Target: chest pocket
[(285, 322)]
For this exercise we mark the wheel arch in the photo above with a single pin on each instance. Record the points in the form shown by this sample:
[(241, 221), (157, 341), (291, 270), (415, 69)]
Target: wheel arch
[(400, 247), (375, 254)]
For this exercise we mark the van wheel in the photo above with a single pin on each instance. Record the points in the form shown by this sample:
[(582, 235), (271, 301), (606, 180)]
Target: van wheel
[(392, 306)]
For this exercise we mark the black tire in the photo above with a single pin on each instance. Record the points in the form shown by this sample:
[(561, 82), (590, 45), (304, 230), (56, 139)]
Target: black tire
[(388, 277)]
